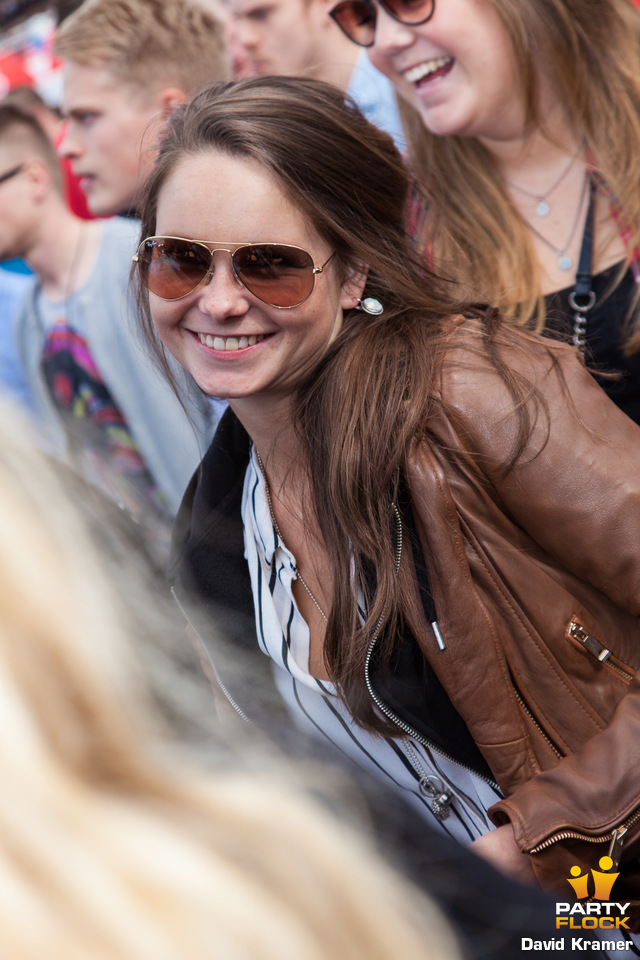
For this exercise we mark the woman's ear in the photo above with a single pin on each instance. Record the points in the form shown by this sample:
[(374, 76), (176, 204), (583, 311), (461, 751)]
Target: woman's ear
[(353, 286)]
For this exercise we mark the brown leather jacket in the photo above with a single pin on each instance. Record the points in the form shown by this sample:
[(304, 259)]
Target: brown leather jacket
[(535, 574)]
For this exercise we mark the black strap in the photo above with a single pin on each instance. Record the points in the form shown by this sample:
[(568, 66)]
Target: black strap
[(582, 298), (585, 263)]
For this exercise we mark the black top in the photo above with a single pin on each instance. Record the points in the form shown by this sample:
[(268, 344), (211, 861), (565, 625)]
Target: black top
[(605, 337)]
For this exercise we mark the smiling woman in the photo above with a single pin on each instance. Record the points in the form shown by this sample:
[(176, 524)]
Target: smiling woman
[(390, 498), (255, 297), (522, 129)]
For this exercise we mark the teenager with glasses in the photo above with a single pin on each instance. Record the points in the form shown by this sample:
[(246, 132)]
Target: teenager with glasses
[(522, 127), (422, 522), (98, 402)]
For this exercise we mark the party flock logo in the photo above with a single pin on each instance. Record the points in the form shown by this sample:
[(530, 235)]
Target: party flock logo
[(593, 914), (593, 909)]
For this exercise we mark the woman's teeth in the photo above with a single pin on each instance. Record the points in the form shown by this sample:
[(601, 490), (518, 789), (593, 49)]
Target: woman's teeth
[(423, 70), (229, 343)]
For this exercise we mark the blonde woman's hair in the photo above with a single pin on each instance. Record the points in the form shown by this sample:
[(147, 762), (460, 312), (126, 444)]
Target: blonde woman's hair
[(111, 846), (149, 44), (591, 53)]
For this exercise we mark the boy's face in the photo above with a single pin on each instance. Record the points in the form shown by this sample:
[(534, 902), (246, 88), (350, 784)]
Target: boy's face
[(278, 36), (110, 136)]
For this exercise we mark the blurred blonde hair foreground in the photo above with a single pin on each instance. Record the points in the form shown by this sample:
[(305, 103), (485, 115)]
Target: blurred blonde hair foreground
[(113, 846)]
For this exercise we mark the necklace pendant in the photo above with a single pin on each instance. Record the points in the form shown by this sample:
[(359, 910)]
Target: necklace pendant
[(565, 262), (543, 209)]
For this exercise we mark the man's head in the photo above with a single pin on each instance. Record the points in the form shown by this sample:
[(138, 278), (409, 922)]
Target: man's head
[(127, 64), (29, 100), (290, 37), (29, 177)]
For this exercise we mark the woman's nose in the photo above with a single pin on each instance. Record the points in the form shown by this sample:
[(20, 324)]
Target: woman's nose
[(221, 294), (390, 36)]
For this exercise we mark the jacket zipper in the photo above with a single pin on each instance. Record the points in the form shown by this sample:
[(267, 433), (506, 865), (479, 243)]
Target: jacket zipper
[(382, 707), (593, 646), (616, 839), (536, 723), (595, 649), (238, 709), (407, 729)]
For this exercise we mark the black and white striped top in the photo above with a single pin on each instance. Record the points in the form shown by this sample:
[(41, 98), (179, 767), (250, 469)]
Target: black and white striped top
[(283, 636)]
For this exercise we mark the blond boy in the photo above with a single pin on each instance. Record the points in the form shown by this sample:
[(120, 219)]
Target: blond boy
[(127, 63)]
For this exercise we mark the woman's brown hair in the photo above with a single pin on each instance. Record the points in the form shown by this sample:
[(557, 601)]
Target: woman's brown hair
[(590, 52), (360, 411)]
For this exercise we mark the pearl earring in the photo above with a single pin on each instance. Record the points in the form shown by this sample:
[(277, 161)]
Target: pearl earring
[(370, 305)]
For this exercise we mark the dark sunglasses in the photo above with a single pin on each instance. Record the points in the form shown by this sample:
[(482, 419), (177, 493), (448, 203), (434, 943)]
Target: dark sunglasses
[(357, 18), (11, 173), (276, 273)]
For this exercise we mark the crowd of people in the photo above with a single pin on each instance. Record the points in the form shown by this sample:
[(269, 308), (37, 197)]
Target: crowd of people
[(326, 342)]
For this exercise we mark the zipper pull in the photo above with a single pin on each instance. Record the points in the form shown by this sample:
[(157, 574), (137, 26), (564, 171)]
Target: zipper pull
[(438, 635), (440, 798), (617, 843), (591, 645)]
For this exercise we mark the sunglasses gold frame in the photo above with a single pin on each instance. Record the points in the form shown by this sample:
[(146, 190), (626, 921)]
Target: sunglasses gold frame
[(370, 6), (226, 249)]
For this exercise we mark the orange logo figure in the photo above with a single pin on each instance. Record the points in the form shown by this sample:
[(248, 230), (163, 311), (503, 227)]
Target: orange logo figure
[(603, 882)]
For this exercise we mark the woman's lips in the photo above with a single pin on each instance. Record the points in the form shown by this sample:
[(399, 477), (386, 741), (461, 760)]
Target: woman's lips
[(230, 343), (428, 70)]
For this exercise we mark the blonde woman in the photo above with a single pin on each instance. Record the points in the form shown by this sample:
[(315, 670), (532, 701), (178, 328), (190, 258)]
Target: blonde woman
[(111, 846), (523, 124)]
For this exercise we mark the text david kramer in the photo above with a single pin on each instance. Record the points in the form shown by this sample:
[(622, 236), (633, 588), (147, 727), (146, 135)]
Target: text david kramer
[(575, 943)]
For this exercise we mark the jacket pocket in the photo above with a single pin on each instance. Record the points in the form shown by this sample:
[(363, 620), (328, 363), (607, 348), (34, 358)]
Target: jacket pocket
[(579, 636), (533, 720)]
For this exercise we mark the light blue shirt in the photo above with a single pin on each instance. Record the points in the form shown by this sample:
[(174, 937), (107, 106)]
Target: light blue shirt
[(13, 287), (375, 95)]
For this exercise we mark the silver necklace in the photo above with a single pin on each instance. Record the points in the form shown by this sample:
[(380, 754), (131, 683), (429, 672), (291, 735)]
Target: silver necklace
[(543, 208), (281, 538), (564, 260)]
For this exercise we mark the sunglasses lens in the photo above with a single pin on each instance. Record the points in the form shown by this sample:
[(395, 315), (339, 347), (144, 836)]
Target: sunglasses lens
[(172, 268), (278, 275), (411, 12), (356, 19)]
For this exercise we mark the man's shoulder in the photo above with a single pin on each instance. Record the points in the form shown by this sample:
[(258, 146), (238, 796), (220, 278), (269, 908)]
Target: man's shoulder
[(117, 231), (118, 244)]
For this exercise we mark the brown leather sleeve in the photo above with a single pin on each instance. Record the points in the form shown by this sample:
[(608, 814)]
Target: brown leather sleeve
[(576, 493), (576, 489)]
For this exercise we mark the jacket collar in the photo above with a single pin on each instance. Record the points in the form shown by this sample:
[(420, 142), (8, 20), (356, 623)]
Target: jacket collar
[(214, 483)]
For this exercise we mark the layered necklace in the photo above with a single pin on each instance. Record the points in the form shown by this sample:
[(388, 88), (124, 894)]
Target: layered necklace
[(564, 260), (543, 208)]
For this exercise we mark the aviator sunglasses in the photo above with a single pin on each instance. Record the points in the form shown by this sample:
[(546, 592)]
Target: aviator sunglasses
[(279, 274), (357, 18)]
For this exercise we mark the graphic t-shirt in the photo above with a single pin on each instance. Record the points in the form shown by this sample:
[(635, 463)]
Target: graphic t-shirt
[(98, 433)]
